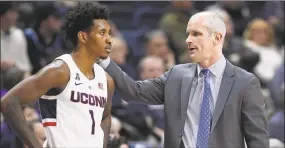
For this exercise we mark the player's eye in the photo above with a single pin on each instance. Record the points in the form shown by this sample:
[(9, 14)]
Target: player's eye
[(101, 33)]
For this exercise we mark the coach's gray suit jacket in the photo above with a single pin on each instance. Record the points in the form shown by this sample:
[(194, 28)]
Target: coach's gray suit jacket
[(239, 111)]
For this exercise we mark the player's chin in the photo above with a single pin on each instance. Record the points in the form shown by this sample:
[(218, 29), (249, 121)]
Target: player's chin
[(105, 56)]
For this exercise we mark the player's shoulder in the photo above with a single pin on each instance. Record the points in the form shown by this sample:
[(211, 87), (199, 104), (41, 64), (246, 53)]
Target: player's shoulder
[(57, 71)]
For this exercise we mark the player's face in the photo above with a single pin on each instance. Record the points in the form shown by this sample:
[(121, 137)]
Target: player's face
[(200, 41), (99, 39)]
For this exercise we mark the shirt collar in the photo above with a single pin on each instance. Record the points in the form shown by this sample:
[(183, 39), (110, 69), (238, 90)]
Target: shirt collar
[(217, 69)]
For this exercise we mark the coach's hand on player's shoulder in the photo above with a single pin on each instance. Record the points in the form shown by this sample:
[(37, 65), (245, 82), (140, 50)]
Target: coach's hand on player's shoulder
[(104, 62)]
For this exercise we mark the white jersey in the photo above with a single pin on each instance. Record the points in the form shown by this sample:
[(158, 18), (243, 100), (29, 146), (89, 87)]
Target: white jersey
[(72, 118)]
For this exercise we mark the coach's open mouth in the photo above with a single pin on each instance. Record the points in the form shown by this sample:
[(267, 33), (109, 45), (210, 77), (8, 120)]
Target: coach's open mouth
[(191, 49)]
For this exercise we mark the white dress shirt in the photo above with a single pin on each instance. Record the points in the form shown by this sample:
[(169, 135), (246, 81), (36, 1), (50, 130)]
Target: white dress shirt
[(193, 112)]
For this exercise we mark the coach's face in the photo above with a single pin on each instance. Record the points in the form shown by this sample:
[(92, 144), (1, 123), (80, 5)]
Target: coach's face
[(200, 41)]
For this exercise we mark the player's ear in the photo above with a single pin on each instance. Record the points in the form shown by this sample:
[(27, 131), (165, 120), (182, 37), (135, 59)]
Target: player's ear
[(82, 36)]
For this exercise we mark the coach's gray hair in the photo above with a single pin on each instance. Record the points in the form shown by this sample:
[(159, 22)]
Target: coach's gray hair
[(222, 13), (212, 21)]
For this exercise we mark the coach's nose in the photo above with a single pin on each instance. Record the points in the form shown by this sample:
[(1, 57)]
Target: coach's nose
[(189, 40)]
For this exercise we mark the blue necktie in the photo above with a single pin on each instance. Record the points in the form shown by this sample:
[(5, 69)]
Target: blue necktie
[(205, 114)]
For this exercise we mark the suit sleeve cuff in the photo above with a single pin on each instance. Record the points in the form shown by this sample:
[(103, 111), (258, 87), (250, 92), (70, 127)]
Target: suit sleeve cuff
[(104, 63)]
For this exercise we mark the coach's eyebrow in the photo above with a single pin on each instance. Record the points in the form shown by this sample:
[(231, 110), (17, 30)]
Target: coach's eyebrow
[(193, 31)]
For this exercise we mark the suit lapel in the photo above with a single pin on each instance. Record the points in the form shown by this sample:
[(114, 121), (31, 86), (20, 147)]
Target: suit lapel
[(186, 85), (225, 88)]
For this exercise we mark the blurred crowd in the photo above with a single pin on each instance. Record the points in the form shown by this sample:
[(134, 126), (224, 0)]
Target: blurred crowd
[(148, 39)]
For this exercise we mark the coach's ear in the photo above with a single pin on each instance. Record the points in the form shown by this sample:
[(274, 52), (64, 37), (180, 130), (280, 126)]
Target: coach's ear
[(218, 38), (82, 36)]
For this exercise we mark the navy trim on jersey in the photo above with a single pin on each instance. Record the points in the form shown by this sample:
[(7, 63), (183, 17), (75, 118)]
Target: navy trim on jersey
[(48, 108)]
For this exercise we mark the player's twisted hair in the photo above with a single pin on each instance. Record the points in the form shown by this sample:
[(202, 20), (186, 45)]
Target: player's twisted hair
[(80, 18)]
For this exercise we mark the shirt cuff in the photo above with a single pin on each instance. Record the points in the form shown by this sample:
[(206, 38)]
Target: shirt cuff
[(104, 63)]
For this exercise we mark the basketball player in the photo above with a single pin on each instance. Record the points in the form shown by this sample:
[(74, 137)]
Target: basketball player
[(80, 114)]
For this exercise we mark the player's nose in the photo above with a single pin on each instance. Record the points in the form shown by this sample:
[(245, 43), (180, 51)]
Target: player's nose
[(109, 40)]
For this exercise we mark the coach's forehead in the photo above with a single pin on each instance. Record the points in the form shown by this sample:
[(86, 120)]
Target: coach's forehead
[(196, 23), (200, 18)]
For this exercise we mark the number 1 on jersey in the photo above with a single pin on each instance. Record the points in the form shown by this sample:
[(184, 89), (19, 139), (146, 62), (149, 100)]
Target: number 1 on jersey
[(93, 122)]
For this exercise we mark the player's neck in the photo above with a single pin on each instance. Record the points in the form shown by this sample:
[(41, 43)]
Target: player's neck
[(84, 62)]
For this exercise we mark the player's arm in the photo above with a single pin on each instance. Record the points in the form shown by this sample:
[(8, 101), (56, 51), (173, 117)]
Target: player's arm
[(106, 120), (28, 91)]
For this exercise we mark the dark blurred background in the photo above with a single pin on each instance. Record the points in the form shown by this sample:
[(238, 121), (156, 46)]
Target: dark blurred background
[(149, 38)]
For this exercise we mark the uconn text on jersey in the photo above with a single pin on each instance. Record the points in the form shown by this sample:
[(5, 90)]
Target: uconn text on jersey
[(93, 100)]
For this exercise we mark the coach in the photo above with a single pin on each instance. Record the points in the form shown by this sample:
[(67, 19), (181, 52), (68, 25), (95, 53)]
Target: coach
[(208, 104)]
